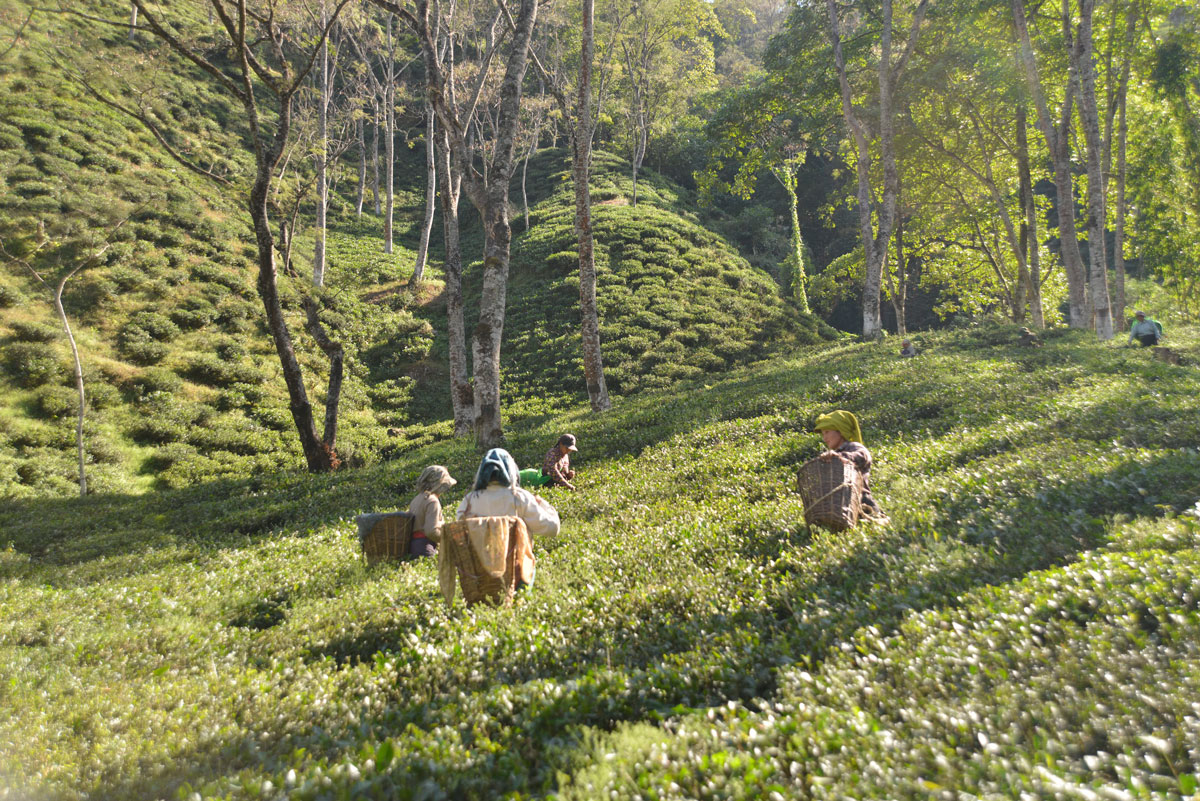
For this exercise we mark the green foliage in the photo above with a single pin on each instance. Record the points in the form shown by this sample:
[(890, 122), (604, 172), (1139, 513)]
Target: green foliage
[(32, 364), (24, 331), (10, 296), (155, 379), (218, 372), (1033, 595), (56, 402)]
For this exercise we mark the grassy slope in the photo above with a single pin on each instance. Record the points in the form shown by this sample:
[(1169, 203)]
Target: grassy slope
[(1027, 623)]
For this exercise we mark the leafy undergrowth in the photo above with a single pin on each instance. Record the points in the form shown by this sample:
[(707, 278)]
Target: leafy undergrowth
[(1027, 624)]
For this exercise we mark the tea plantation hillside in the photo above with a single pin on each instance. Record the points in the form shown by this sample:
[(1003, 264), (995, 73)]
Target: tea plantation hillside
[(1027, 625), (675, 300), (182, 381), (181, 377)]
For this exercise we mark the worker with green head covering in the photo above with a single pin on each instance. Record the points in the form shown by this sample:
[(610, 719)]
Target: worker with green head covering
[(843, 437)]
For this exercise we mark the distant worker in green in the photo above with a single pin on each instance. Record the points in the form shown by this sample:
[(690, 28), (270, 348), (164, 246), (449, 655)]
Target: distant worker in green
[(843, 437), (1145, 330), (556, 466)]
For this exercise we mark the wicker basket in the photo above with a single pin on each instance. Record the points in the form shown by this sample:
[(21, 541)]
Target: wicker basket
[(477, 584), (832, 493), (388, 537)]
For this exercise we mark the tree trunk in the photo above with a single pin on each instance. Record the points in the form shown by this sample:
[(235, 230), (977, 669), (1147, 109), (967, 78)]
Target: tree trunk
[(1086, 74), (322, 155), (66, 324), (336, 354), (1119, 102), (795, 284), (593, 363), (430, 196), (1058, 143), (1031, 251), (375, 159), (318, 457), (362, 168), (875, 240), (462, 396), (488, 192), (133, 14), (389, 115), (524, 174), (1119, 222), (900, 293), (639, 152), (485, 343)]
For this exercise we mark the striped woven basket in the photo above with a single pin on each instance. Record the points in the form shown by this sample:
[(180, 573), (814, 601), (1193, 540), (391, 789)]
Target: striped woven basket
[(832, 493), (478, 586), (388, 538)]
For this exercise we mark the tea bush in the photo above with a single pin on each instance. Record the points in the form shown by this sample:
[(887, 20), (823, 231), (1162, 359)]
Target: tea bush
[(32, 364), (56, 402), (27, 331)]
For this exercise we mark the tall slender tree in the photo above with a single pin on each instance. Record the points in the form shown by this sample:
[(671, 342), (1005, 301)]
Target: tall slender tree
[(1083, 66), (1058, 141), (875, 229), (486, 182), (581, 146)]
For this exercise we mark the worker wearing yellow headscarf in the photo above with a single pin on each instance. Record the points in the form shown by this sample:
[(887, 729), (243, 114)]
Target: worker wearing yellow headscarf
[(843, 437)]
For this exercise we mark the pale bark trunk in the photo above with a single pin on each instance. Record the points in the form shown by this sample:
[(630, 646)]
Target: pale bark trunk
[(639, 152), (1086, 73), (900, 290), (489, 195), (489, 332), (593, 363), (462, 397), (389, 113), (375, 160), (362, 169), (430, 196), (1119, 222), (133, 14), (1116, 107), (322, 157), (1058, 143), (1031, 251), (871, 253), (79, 418), (875, 238)]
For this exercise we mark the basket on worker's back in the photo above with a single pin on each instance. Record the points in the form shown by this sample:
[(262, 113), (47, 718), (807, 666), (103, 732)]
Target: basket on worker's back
[(832, 493), (476, 582), (385, 537)]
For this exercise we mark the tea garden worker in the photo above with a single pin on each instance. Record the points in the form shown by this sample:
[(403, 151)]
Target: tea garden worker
[(1145, 330), (843, 437), (426, 508), (497, 493), (557, 464)]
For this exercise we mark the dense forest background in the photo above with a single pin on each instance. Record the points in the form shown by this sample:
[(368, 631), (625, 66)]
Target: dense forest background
[(324, 232)]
